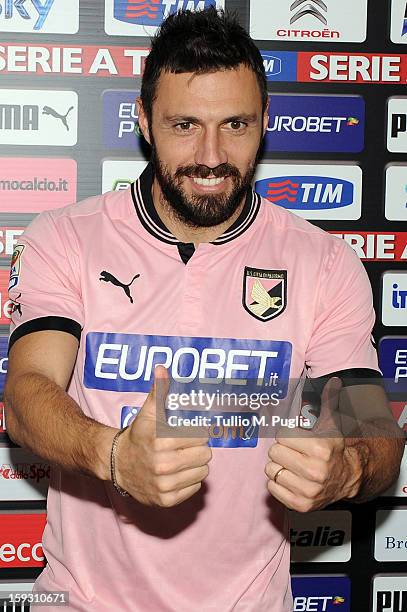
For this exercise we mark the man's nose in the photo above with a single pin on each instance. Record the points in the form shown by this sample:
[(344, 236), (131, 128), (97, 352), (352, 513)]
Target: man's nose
[(210, 150)]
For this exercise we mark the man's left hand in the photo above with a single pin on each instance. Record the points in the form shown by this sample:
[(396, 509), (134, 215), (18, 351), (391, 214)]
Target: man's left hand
[(319, 468)]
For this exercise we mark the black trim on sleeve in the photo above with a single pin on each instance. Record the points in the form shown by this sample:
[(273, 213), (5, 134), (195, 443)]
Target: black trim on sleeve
[(349, 378), (45, 324)]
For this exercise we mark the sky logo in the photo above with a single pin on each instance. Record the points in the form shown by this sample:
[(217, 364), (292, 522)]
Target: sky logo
[(315, 123), (280, 65), (39, 16), (307, 192)]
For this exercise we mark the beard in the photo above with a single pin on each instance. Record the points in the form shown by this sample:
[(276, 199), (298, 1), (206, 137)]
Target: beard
[(196, 210)]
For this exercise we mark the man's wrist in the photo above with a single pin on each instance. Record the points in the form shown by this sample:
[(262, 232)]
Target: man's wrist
[(357, 459), (103, 449)]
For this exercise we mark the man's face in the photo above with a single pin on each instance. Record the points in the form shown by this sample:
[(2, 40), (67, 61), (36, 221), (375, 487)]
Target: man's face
[(205, 135)]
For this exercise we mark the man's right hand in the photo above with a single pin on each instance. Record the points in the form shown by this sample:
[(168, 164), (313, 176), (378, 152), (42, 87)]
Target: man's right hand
[(159, 471)]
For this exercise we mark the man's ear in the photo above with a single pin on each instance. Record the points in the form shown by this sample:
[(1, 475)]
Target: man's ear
[(266, 117), (142, 120)]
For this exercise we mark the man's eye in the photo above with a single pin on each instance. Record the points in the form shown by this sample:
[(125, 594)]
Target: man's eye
[(237, 125), (184, 126)]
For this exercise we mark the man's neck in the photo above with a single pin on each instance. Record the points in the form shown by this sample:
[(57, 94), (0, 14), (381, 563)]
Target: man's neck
[(182, 231)]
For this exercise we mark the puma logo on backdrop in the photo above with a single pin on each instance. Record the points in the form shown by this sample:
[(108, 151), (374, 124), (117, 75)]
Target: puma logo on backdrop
[(47, 110), (109, 278)]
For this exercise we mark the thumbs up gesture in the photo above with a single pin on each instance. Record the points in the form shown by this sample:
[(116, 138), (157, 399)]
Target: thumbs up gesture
[(160, 470), (309, 469)]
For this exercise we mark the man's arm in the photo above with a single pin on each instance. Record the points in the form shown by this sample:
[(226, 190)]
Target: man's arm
[(42, 417), (374, 443)]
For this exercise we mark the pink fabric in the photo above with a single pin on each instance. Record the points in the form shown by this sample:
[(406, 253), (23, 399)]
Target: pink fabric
[(226, 548)]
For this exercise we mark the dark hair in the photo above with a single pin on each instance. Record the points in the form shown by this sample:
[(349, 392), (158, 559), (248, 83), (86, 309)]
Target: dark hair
[(201, 42)]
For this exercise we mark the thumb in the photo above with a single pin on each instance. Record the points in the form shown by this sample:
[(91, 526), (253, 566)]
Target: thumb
[(154, 404), (329, 417)]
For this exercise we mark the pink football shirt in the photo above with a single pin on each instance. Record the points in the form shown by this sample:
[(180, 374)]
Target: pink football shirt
[(271, 298)]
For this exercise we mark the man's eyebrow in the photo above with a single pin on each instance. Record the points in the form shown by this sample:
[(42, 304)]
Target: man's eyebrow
[(247, 117)]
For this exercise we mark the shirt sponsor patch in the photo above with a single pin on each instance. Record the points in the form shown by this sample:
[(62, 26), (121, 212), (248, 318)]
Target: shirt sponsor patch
[(125, 363), (15, 270)]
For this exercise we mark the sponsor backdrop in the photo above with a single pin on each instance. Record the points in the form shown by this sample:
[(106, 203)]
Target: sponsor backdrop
[(335, 153)]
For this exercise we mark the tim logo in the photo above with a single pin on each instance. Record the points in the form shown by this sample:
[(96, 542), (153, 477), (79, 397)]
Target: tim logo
[(152, 12), (307, 192)]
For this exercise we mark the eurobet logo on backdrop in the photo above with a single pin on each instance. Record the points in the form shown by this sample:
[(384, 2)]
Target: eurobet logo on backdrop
[(393, 363), (398, 31), (43, 16), (323, 536), (391, 535), (20, 540), (397, 124), (394, 298), (376, 246), (321, 593), (396, 193), (38, 117), (312, 191), (120, 121), (118, 174), (34, 184), (390, 593), (135, 18), (316, 123), (309, 20)]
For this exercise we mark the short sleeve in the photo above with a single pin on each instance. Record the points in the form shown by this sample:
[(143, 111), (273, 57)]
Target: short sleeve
[(341, 338), (43, 281)]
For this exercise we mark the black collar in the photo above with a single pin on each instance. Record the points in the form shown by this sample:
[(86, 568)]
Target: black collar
[(149, 218)]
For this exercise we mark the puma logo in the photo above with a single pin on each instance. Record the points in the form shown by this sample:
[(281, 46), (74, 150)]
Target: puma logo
[(109, 278), (16, 306), (47, 110)]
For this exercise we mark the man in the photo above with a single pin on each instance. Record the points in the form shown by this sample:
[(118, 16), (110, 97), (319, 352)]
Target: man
[(154, 275)]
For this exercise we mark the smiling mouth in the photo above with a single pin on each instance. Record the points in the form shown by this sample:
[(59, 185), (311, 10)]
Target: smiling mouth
[(208, 182)]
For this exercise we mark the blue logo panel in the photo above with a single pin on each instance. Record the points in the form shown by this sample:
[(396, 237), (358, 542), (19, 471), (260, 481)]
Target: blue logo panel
[(280, 65), (307, 192), (393, 363), (125, 363), (226, 429), (128, 414), (321, 593), (316, 123), (152, 12), (120, 121)]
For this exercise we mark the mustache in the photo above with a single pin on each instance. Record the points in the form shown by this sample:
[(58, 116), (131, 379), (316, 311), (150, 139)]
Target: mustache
[(194, 171)]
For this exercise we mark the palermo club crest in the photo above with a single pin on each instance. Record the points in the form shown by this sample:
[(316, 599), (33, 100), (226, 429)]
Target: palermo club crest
[(264, 292)]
